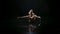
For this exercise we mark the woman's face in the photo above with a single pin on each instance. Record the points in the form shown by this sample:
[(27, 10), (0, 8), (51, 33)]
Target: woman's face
[(30, 14)]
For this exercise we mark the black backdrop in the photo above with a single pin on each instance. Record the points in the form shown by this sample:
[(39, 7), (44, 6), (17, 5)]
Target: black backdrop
[(15, 8)]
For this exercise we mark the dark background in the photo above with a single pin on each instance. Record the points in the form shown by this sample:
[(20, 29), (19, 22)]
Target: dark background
[(15, 8)]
